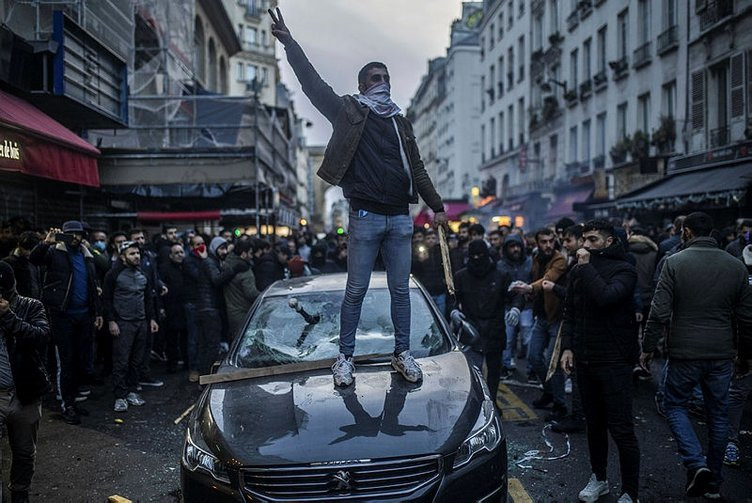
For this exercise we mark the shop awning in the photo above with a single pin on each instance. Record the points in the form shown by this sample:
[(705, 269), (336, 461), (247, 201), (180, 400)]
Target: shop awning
[(563, 205), (33, 143), (453, 209), (178, 216), (721, 185)]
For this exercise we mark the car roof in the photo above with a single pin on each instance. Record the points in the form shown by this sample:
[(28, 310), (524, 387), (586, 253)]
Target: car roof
[(324, 283)]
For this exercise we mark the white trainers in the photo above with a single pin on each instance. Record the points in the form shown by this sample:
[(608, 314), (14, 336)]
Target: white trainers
[(405, 364), (135, 399), (594, 489), (343, 370), (626, 498), (121, 405)]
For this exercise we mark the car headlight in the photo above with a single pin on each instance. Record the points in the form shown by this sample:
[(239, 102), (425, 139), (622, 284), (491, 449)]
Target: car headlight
[(199, 458), (486, 435)]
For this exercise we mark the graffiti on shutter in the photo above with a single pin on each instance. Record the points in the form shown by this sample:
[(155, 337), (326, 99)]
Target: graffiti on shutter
[(698, 100), (737, 85)]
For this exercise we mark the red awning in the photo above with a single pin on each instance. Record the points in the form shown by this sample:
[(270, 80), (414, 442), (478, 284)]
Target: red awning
[(563, 206), (175, 216), (33, 143), (453, 209)]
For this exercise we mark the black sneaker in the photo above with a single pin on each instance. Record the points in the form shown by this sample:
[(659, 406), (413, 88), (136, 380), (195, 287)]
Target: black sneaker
[(150, 381), (558, 413), (19, 497), (569, 424), (543, 401), (71, 416), (698, 482)]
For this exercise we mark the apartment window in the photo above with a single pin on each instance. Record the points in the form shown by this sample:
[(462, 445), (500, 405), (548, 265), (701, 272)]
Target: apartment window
[(482, 92), (669, 99), (602, 49), (621, 121), (510, 68), (250, 35), (573, 69), (522, 7), (265, 76), (501, 25), (492, 136), (240, 31), (521, 118), (521, 55), (554, 15), (643, 112), (251, 72), (501, 76), (669, 13), (501, 133), (643, 21), (492, 33), (586, 141), (573, 144), (600, 134), (239, 74), (483, 142), (586, 56), (623, 33), (510, 126), (553, 151), (264, 40), (491, 80), (538, 33), (510, 14)]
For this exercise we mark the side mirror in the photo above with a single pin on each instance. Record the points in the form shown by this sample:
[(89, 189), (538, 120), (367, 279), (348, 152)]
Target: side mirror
[(466, 334)]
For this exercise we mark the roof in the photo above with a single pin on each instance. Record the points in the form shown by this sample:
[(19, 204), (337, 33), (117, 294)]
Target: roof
[(324, 283)]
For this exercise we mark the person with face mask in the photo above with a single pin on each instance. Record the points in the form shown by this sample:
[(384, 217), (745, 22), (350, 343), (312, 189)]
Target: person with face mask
[(599, 341), (23, 378), (700, 291), (129, 311), (482, 297), (374, 157), (71, 296)]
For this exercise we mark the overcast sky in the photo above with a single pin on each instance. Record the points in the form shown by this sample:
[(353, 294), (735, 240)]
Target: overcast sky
[(340, 36)]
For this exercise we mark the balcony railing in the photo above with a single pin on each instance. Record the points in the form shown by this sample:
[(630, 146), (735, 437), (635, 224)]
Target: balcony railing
[(716, 11), (620, 67), (573, 20), (719, 137), (642, 55), (600, 80), (585, 7), (599, 161), (570, 97), (668, 40), (586, 89)]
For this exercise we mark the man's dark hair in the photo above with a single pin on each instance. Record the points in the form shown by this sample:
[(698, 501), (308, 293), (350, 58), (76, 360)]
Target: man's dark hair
[(574, 230), (165, 228), (135, 231), (678, 221), (28, 240), (601, 226), (563, 224), (117, 234), (477, 229), (242, 246), (699, 223), (262, 244), (464, 225), (543, 231), (495, 231), (363, 73), (747, 222)]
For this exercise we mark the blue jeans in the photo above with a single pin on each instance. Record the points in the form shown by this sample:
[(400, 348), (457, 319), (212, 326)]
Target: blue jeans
[(370, 233), (660, 391), (541, 346), (739, 392), (714, 377), (522, 330), (440, 301)]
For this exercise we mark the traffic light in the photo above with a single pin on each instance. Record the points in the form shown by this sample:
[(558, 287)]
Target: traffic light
[(340, 231), (237, 232)]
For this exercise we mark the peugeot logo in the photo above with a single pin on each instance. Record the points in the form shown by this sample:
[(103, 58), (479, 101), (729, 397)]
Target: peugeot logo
[(342, 480)]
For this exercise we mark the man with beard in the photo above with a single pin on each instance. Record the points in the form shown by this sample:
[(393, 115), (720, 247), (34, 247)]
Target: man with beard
[(458, 255), (482, 295), (270, 267), (241, 291), (71, 296), (174, 324), (515, 262), (599, 340), (28, 280), (129, 311), (429, 269)]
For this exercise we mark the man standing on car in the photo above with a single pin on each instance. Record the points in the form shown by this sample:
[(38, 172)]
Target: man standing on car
[(373, 156)]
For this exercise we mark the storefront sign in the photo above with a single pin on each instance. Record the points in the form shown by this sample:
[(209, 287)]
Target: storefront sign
[(10, 150)]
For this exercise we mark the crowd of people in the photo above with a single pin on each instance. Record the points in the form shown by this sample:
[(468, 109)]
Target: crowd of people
[(580, 305)]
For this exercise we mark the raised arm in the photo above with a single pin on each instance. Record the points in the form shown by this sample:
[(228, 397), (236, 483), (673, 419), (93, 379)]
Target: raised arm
[(319, 92)]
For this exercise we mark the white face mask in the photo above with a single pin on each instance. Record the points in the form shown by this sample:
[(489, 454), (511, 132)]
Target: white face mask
[(378, 99)]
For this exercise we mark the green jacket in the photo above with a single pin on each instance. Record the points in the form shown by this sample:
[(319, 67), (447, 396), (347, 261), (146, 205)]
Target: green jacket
[(700, 291), (240, 293), (348, 118)]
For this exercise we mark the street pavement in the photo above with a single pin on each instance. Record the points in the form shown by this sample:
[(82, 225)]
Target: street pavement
[(139, 459)]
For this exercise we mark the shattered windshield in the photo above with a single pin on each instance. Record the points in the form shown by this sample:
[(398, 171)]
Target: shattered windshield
[(305, 327)]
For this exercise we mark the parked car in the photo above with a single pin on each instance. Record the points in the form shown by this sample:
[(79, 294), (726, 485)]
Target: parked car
[(295, 437)]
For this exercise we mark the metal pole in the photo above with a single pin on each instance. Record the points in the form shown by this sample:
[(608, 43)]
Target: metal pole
[(255, 157)]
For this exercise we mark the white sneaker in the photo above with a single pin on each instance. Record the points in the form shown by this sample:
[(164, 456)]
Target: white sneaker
[(406, 365), (626, 498), (121, 405), (594, 489), (135, 399), (343, 370)]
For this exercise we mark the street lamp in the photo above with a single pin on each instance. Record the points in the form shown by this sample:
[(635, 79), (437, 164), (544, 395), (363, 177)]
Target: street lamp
[(254, 86), (546, 86)]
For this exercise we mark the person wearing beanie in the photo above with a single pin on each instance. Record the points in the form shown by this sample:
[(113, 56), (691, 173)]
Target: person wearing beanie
[(71, 296), (482, 297), (24, 333)]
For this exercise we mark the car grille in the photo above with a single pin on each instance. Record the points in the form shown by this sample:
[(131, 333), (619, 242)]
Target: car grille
[(342, 480)]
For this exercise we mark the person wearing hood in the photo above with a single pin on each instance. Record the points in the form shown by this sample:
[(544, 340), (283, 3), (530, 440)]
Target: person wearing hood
[(24, 332), (271, 266), (482, 297), (374, 157), (28, 277), (212, 277), (518, 264), (645, 252), (599, 342)]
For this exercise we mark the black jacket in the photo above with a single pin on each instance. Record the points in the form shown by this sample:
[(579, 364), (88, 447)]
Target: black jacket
[(211, 278), (268, 270), (58, 277), (174, 278), (26, 332), (28, 278), (430, 272), (191, 269), (599, 313)]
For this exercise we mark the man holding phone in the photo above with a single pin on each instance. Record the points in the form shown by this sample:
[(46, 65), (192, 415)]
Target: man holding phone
[(71, 296)]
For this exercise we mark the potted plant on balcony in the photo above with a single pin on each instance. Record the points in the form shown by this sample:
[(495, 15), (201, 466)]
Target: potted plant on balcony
[(555, 38), (663, 138), (640, 145), (570, 95), (620, 149), (537, 55)]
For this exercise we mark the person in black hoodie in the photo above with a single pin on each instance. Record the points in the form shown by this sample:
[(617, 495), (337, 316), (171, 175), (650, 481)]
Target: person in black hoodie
[(174, 325), (23, 379), (599, 337), (28, 278), (270, 267), (482, 296)]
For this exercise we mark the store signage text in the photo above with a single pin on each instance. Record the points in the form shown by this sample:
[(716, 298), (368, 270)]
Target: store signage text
[(10, 150)]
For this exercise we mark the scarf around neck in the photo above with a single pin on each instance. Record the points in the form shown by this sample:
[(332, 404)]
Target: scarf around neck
[(378, 99)]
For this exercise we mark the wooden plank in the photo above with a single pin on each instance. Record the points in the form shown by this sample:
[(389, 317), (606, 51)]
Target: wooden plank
[(118, 499), (274, 370)]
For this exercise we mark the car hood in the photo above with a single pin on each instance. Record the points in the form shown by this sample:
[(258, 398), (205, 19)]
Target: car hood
[(302, 418)]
